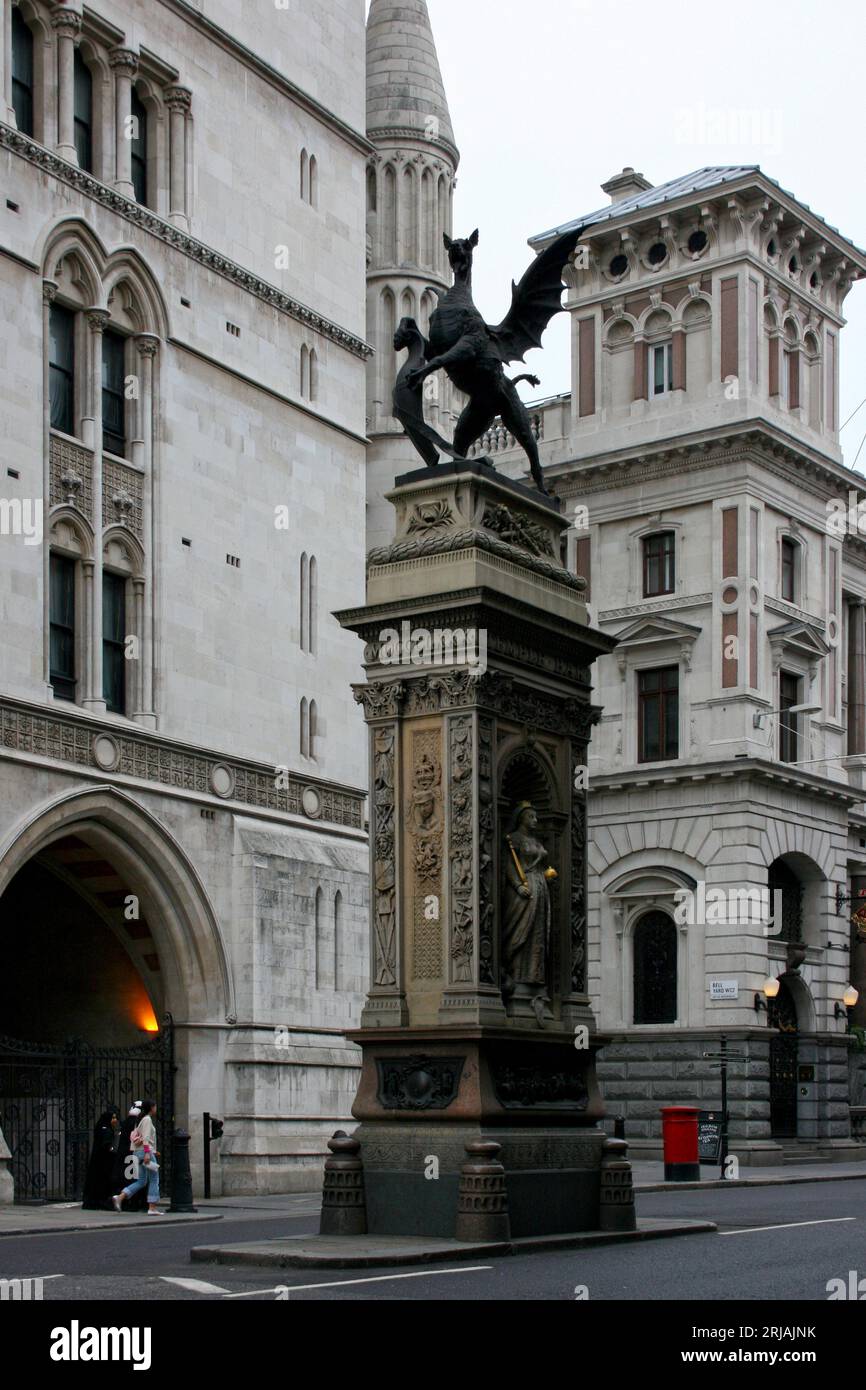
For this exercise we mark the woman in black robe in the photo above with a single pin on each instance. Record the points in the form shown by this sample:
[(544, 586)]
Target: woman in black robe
[(98, 1182), (123, 1174)]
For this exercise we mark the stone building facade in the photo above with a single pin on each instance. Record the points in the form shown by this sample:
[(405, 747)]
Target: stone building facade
[(184, 362), (698, 456)]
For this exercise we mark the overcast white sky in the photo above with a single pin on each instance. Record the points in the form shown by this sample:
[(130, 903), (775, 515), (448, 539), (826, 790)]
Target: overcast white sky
[(549, 98)]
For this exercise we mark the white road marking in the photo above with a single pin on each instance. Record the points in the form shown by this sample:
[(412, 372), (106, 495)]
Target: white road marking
[(789, 1225), (374, 1279), (194, 1285)]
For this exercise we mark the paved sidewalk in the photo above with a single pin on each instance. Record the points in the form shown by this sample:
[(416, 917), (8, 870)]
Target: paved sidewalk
[(649, 1175), (53, 1218)]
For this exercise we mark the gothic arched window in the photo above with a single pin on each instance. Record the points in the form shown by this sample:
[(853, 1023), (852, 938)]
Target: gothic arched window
[(655, 969)]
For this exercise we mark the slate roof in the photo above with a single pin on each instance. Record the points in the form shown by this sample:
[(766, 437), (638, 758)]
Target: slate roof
[(711, 176)]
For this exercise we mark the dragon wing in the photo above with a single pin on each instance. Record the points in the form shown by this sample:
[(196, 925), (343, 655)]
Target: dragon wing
[(534, 301)]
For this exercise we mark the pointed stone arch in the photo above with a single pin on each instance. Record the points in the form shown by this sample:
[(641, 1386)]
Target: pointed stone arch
[(198, 981)]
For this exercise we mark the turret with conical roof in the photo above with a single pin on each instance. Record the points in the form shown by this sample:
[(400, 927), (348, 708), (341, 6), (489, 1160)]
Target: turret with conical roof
[(410, 189)]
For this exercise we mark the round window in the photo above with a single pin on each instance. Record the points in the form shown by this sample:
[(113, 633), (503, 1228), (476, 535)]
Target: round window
[(657, 253), (618, 266), (697, 243)]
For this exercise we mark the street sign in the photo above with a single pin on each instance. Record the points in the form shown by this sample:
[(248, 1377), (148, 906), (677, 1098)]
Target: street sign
[(724, 989)]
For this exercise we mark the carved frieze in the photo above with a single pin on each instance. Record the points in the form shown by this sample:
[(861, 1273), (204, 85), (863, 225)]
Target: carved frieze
[(155, 760), (419, 1083), (460, 849), (425, 834), (517, 530), (578, 868), (384, 858)]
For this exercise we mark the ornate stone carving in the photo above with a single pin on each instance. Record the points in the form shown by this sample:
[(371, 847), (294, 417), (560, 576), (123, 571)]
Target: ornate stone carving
[(71, 476), (122, 496), (517, 530), (431, 516), (486, 830), (419, 1083), (460, 844), (141, 216), (384, 858), (151, 759), (381, 700), (425, 831), (466, 539), (578, 870), (533, 1087)]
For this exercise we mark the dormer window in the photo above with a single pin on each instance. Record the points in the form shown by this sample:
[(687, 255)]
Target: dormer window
[(659, 564), (661, 369)]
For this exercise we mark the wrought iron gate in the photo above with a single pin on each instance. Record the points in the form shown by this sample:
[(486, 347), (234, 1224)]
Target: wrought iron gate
[(51, 1096), (782, 1014)]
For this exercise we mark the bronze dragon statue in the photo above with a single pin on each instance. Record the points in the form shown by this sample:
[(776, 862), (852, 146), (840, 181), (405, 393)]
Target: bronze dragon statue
[(474, 354)]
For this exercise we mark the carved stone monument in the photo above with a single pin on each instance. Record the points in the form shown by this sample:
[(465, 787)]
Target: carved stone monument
[(477, 1028)]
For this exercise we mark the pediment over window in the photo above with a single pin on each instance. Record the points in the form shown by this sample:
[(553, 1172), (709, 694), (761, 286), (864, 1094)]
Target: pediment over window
[(799, 638), (645, 632)]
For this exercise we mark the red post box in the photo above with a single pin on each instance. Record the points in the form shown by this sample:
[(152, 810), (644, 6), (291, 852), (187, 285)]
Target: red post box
[(680, 1137)]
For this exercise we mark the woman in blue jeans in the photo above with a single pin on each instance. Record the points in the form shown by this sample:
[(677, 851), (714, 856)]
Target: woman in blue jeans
[(146, 1154)]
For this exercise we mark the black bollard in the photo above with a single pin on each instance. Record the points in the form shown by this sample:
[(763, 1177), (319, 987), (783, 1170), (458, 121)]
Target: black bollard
[(181, 1177), (619, 1127)]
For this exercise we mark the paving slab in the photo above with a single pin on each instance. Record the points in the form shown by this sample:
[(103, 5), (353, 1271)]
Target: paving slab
[(365, 1252)]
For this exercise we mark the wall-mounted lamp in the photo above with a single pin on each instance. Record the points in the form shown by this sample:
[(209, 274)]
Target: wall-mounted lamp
[(769, 991), (761, 714), (849, 999)]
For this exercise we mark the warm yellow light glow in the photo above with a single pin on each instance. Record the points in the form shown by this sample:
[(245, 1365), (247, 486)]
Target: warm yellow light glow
[(850, 997), (145, 1018), (771, 988)]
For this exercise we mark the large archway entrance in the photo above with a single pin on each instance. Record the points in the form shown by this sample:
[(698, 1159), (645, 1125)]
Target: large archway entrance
[(107, 934), (83, 1018)]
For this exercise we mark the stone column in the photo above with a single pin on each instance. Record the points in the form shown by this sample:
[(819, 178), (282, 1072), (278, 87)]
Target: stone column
[(6, 61), (49, 294), (125, 64), (94, 699), (178, 101), (68, 26), (147, 346), (856, 676)]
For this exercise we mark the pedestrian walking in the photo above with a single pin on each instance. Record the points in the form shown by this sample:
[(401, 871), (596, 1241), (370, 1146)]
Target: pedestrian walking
[(143, 1145), (99, 1180)]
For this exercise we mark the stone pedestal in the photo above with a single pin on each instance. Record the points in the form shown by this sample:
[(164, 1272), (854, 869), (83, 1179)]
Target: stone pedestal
[(477, 1027)]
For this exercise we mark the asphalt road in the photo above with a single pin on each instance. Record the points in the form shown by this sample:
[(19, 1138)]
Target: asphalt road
[(774, 1243)]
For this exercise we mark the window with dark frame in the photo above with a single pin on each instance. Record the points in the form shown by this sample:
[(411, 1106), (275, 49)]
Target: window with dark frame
[(138, 149), (83, 113), (61, 621), (114, 642), (22, 73), (789, 724), (789, 569), (659, 564), (655, 969), (659, 715), (113, 399), (61, 368)]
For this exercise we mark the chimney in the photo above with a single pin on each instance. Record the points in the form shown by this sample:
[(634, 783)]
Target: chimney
[(625, 185)]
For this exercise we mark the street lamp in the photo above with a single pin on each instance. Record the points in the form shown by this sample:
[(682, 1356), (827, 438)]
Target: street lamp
[(769, 990), (761, 714), (849, 999)]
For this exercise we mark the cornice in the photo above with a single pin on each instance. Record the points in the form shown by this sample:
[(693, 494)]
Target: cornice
[(399, 135), (50, 163), (743, 770), (654, 606)]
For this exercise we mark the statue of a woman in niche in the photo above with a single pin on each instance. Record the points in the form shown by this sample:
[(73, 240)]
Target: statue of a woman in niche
[(526, 911)]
